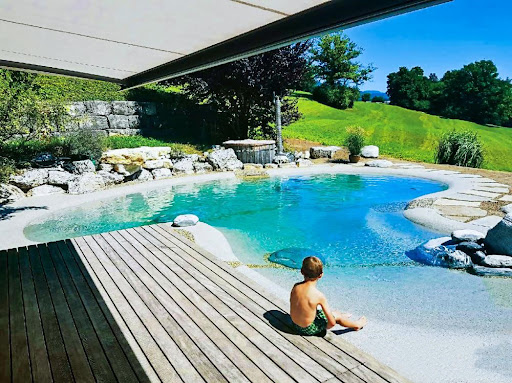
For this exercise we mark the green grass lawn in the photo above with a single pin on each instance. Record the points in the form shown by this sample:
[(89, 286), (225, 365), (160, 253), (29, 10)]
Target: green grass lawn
[(399, 132)]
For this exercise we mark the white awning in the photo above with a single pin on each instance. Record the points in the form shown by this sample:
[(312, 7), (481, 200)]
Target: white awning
[(133, 42)]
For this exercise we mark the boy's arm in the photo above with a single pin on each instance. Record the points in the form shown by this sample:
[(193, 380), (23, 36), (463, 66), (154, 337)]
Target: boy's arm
[(331, 320)]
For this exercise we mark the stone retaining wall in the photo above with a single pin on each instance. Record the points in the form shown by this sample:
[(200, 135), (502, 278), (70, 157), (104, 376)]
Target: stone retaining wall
[(115, 118)]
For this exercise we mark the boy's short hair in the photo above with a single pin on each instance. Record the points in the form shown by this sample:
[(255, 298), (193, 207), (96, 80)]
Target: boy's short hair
[(312, 267)]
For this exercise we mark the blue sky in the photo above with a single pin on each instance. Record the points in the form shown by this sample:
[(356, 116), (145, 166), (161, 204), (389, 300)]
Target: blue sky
[(438, 39)]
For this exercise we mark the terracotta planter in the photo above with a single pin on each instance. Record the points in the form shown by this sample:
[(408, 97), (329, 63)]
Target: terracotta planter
[(353, 158)]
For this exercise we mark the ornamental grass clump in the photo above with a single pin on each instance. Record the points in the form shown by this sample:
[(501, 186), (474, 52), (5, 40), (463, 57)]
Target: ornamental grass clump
[(461, 149), (355, 140)]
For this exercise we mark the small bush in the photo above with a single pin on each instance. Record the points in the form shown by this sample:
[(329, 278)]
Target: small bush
[(83, 144), (341, 97), (6, 169), (461, 149), (23, 151), (355, 140)]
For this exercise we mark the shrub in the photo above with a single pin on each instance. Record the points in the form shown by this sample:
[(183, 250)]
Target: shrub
[(84, 144), (461, 149), (23, 151), (355, 140), (366, 97), (341, 97), (6, 169)]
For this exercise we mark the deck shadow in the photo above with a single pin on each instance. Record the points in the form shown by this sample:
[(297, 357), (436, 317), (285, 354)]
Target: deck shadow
[(283, 322)]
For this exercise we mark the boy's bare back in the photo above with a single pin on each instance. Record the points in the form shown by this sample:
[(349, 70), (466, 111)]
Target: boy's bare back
[(304, 300)]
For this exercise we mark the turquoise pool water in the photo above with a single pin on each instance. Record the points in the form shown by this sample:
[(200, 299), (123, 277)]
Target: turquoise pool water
[(357, 223)]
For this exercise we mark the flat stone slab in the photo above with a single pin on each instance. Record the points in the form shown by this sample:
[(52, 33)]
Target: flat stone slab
[(501, 190), (462, 211), (467, 197), (506, 198), (487, 222), (491, 184), (454, 202), (491, 271), (482, 193), (507, 209), (470, 176), (458, 218), (409, 166)]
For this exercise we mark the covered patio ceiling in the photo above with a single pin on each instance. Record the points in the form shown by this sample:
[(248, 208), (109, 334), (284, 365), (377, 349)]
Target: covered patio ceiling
[(133, 42)]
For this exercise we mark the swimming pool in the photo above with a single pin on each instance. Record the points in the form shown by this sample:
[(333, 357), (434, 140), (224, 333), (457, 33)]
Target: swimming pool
[(447, 321)]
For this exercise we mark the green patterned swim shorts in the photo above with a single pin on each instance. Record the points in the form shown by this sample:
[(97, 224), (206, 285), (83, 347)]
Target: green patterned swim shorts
[(318, 327)]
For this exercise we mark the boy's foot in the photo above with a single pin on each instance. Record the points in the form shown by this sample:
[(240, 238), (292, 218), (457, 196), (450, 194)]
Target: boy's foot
[(360, 323)]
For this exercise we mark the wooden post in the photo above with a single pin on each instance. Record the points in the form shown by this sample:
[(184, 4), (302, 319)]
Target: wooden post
[(278, 126)]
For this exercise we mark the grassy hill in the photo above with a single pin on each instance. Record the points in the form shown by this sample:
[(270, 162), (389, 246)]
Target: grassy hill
[(399, 132)]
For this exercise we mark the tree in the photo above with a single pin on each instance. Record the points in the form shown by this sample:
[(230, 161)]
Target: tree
[(410, 89), (24, 110), (334, 60), (366, 97), (243, 91), (476, 93), (378, 99)]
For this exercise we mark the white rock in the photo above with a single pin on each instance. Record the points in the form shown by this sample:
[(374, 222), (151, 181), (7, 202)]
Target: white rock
[(81, 167), (507, 209), (370, 151), (202, 167), (184, 165), (59, 178), (185, 220), (224, 160), (491, 271), (99, 108), (111, 178), (126, 170), (379, 164), (467, 236), (323, 151), (106, 167), (10, 193), (158, 164), (288, 165), (45, 190), (440, 252), (302, 163), (499, 238), (270, 166), (30, 179), (125, 108), (145, 175), (86, 183), (494, 260), (281, 159), (306, 154), (161, 173)]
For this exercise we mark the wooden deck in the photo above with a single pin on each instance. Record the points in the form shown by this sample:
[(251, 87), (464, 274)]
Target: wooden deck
[(147, 305)]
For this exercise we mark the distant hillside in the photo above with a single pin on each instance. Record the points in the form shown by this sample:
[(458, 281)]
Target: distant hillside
[(374, 93), (399, 132)]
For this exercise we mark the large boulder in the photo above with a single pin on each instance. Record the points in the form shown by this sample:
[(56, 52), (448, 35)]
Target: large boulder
[(491, 271), (161, 173), (323, 151), (81, 167), (303, 163), (370, 151), (184, 165), (30, 179), (185, 220), (379, 164), (202, 167), (125, 108), (440, 252), (224, 160), (499, 238), (10, 193), (158, 164), (111, 178), (127, 170), (59, 177), (292, 257), (97, 123), (123, 122), (469, 247), (85, 183), (495, 260), (76, 109), (45, 190), (123, 157), (145, 175), (467, 236), (507, 209), (98, 108)]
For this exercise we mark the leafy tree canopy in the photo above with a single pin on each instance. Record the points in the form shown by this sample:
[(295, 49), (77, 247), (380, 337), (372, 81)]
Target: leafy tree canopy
[(410, 88)]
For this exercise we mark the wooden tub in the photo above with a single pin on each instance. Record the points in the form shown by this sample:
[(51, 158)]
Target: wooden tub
[(253, 151)]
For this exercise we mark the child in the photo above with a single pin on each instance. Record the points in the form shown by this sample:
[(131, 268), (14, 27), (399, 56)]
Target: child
[(305, 298)]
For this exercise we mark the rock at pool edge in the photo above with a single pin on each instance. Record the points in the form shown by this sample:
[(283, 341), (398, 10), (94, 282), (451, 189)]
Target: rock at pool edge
[(292, 257), (185, 220)]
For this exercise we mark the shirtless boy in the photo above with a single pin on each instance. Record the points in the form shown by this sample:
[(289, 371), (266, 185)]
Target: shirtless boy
[(305, 299)]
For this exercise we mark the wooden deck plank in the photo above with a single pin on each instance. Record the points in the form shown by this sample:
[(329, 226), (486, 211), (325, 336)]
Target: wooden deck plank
[(77, 358), (93, 349), (204, 333), (229, 276), (149, 347), (20, 358), (176, 360), (119, 362), (59, 363), (131, 348), (252, 361), (171, 317), (307, 365), (39, 358), (5, 346)]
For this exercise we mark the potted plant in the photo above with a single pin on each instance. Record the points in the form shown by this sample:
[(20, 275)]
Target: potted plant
[(354, 143)]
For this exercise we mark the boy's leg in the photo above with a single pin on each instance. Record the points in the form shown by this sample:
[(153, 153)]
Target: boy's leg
[(343, 319)]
